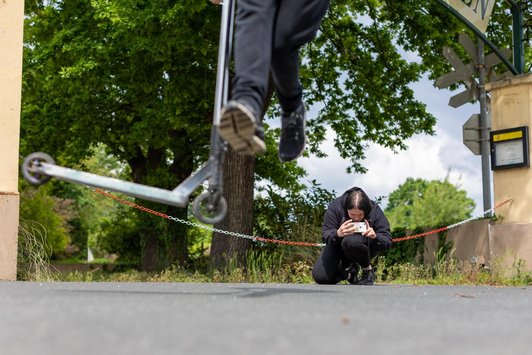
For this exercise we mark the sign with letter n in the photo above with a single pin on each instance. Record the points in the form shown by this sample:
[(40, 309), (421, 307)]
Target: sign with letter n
[(477, 12)]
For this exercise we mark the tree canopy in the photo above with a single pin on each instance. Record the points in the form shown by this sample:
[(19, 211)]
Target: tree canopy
[(421, 203)]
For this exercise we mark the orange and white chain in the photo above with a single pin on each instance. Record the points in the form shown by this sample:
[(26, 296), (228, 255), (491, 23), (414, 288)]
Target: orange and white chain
[(435, 231), (204, 227), (284, 242)]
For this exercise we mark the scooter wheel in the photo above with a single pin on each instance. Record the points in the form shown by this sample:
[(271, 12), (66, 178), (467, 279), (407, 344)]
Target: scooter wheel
[(210, 208), (31, 169)]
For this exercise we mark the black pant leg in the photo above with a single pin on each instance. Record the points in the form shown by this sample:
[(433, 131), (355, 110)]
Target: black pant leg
[(252, 50), (296, 24), (328, 267), (358, 249)]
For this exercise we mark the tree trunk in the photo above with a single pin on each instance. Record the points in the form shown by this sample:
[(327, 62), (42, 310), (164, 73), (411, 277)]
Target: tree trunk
[(239, 181), (163, 242), (149, 245), (238, 191)]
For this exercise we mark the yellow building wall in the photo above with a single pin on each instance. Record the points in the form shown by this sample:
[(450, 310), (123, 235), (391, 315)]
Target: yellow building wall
[(510, 237), (511, 102), (11, 37)]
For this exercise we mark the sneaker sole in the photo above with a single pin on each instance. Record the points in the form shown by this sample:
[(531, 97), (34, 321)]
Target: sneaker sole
[(237, 127), (289, 159)]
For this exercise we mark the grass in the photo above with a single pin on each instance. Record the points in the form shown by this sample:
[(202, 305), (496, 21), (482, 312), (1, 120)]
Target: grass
[(454, 272), (256, 271), (33, 253), (266, 269), (264, 266)]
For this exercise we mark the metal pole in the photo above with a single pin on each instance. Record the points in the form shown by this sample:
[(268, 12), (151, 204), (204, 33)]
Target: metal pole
[(519, 49), (225, 43), (485, 127)]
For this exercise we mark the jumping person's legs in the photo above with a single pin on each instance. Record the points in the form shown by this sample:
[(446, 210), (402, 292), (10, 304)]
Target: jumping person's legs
[(268, 35), (240, 124), (296, 24), (254, 28)]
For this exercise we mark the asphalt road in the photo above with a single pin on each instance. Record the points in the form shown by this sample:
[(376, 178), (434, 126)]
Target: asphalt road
[(173, 318)]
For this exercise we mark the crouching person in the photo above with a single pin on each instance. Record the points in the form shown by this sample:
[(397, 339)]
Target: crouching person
[(355, 230)]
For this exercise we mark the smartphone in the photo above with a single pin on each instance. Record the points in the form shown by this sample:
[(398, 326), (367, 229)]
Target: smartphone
[(360, 227)]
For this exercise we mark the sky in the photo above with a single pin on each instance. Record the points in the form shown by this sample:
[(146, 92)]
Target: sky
[(427, 157)]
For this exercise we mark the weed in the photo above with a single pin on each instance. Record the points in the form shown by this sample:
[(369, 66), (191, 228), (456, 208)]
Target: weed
[(449, 271), (33, 253), (264, 266)]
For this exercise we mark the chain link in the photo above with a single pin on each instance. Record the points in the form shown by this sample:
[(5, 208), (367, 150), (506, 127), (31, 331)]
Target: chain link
[(478, 216), (279, 241), (211, 229), (204, 227)]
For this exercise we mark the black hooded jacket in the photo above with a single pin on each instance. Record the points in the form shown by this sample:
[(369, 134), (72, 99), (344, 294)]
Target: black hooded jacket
[(336, 214)]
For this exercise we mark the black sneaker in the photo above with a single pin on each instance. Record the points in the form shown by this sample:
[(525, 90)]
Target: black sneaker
[(240, 128), (352, 274), (292, 142), (368, 277)]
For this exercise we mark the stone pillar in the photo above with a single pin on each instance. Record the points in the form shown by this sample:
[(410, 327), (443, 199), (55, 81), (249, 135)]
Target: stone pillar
[(11, 37), (511, 235)]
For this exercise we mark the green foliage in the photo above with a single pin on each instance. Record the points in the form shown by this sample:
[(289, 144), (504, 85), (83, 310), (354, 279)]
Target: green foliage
[(133, 75), (49, 214), (449, 271), (421, 203), (137, 76), (270, 170), (418, 203), (354, 67), (199, 244), (107, 224), (408, 251), (296, 216), (117, 234), (406, 193)]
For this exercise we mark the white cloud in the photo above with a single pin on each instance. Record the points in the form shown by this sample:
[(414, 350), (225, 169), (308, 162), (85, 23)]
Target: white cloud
[(427, 157)]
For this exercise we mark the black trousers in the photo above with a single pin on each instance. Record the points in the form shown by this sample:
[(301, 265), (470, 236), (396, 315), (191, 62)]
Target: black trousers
[(268, 36), (331, 264)]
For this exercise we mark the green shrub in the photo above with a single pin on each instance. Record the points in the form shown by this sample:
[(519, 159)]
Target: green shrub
[(49, 215)]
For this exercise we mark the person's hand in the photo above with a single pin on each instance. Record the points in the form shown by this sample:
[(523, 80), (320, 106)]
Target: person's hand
[(216, 2), (370, 232), (347, 228)]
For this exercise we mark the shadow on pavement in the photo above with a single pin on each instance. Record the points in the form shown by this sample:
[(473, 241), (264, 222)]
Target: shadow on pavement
[(239, 291)]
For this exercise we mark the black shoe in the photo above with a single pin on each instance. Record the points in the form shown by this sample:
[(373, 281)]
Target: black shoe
[(240, 128), (352, 274), (292, 143), (368, 277)]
